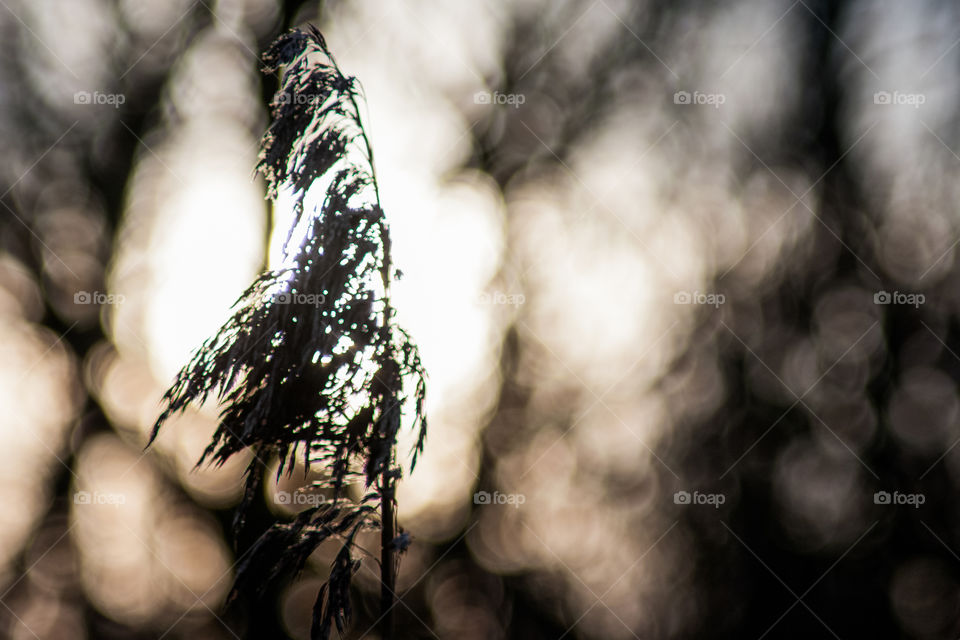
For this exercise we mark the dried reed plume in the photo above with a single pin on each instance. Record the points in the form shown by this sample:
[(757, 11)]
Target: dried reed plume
[(312, 365)]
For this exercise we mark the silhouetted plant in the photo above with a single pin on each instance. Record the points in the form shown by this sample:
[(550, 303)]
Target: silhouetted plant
[(312, 364)]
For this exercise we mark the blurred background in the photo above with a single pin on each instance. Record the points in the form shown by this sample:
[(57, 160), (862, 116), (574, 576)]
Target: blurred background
[(684, 276)]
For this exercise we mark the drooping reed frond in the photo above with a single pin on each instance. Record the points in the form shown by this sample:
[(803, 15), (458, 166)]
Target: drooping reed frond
[(312, 363)]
